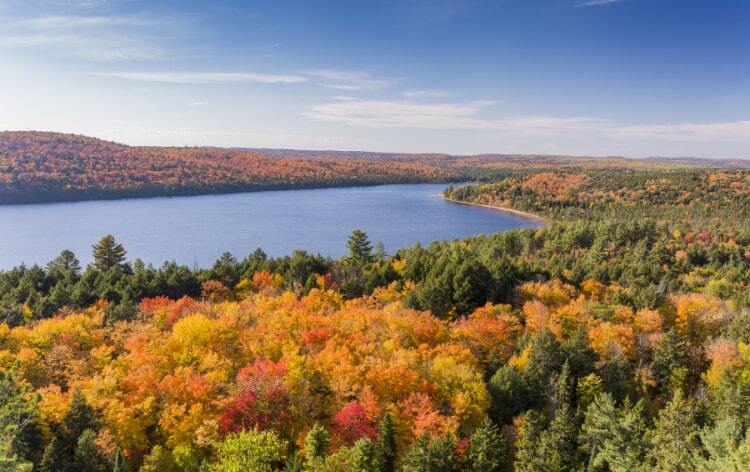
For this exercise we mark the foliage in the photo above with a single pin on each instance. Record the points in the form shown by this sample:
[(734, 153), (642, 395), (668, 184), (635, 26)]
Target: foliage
[(260, 451)]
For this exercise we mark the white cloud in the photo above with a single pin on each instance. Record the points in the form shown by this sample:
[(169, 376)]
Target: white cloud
[(91, 37), (425, 93), (466, 116), (198, 103), (596, 3), (404, 114), (350, 80), (206, 77), (722, 132)]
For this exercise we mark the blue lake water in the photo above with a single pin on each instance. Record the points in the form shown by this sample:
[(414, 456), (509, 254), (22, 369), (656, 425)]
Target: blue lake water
[(197, 230)]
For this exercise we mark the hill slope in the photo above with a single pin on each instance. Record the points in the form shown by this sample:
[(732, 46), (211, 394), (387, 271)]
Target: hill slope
[(40, 167), (47, 167)]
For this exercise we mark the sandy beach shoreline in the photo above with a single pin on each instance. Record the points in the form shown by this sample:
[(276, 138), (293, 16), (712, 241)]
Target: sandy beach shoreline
[(492, 207)]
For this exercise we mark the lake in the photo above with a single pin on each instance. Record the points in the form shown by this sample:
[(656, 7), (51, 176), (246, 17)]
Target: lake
[(197, 230)]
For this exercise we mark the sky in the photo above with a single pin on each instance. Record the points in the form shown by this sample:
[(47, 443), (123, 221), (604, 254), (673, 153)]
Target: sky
[(633, 78)]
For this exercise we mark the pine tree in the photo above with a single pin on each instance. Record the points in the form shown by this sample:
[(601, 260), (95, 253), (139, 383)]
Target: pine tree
[(360, 248), (613, 437), (433, 456), (364, 456), (387, 444), (725, 446), (487, 449), (527, 444), (108, 253), (80, 417), (88, 457), (20, 433), (559, 444), (670, 361), (556, 448), (55, 458), (470, 284), (676, 439), (119, 464), (316, 444), (158, 460)]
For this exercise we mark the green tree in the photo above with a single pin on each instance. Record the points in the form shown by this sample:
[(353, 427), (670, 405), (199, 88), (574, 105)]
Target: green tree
[(19, 427), (509, 392), (108, 253), (559, 443), (676, 439), (119, 463), (364, 456), (670, 361), (527, 444), (360, 248), (65, 267), (79, 418), (253, 450), (470, 286), (88, 457), (487, 449), (726, 447), (387, 444), (613, 438), (55, 458), (438, 455), (158, 460), (316, 444)]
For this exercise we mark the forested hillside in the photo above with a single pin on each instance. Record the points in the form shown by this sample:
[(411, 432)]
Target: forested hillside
[(685, 198), (48, 167), (615, 338)]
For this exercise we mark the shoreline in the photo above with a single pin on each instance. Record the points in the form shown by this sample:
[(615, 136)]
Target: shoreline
[(524, 214)]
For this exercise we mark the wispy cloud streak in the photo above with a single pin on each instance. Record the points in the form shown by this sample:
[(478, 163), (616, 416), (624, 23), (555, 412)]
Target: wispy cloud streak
[(91, 37), (206, 77), (467, 116), (351, 81), (596, 3)]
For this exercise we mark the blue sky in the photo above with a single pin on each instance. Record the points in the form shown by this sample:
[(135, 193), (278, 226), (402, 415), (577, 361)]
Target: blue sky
[(597, 77)]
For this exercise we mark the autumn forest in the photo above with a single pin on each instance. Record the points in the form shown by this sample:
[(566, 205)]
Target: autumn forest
[(614, 338)]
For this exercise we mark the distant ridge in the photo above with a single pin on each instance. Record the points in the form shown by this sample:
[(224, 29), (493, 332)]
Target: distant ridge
[(38, 166)]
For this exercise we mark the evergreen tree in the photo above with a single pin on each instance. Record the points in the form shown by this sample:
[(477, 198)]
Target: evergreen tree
[(676, 439), (19, 427), (316, 444), (294, 463), (527, 444), (80, 417), (119, 463), (487, 450), (613, 437), (65, 267), (670, 361), (55, 458), (725, 447), (559, 443), (13, 464), (251, 450), (556, 448), (364, 456), (509, 392), (108, 253), (470, 285), (88, 457), (387, 444), (158, 460), (432, 456), (360, 248)]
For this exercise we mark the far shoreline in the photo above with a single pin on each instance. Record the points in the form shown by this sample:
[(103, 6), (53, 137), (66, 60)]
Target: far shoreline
[(524, 214)]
